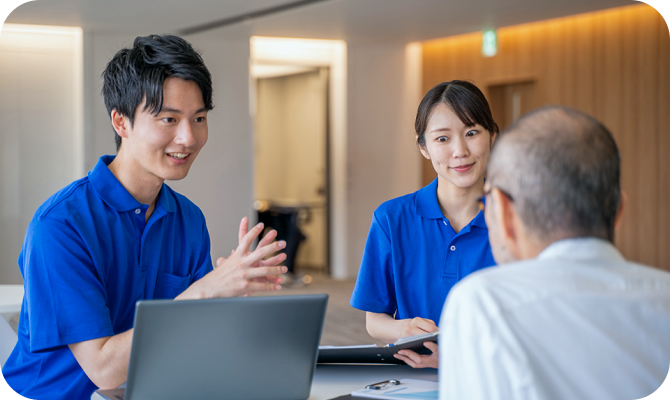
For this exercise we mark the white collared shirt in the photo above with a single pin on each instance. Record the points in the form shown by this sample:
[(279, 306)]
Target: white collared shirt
[(577, 322)]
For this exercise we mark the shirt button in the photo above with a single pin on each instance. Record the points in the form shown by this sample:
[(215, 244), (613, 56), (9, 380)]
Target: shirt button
[(137, 211), (446, 223), (452, 248)]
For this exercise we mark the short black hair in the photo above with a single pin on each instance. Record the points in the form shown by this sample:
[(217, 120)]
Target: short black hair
[(465, 100), (137, 74), (563, 169)]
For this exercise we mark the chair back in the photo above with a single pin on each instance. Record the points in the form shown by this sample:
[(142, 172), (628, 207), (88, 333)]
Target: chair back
[(8, 339)]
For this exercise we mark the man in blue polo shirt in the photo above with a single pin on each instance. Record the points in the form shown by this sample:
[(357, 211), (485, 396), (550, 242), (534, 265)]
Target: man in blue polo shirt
[(120, 234)]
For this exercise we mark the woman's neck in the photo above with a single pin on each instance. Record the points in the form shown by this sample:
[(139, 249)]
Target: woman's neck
[(459, 205)]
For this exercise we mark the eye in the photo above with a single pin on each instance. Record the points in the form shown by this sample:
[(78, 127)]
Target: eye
[(472, 133), (442, 139), (200, 119), (169, 120)]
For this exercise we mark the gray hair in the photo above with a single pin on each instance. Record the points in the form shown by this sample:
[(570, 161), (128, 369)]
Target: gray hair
[(562, 169)]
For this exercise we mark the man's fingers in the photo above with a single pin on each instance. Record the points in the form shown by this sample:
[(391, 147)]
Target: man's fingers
[(265, 271), (262, 287), (249, 237), (244, 227), (269, 279), (262, 252), (268, 238), (272, 261)]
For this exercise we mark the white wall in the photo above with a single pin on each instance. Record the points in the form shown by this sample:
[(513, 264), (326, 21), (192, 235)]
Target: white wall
[(384, 162), (40, 129), (98, 132)]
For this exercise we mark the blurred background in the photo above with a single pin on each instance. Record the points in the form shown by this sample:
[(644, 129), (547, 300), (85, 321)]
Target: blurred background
[(315, 103)]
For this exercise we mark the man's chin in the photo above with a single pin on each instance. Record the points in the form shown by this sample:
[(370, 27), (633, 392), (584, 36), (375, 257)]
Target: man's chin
[(176, 176)]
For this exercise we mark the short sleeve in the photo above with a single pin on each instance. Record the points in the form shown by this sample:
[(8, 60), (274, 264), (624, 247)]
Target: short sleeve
[(65, 299), (375, 290)]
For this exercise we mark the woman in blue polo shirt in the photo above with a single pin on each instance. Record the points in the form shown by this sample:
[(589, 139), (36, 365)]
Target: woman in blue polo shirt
[(421, 244)]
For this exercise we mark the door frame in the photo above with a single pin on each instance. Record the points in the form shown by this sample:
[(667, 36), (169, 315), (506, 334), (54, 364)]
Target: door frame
[(333, 55)]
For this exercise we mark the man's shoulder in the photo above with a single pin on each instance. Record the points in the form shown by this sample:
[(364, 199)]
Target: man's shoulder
[(502, 289), (65, 201), (646, 271), (497, 276), (496, 288)]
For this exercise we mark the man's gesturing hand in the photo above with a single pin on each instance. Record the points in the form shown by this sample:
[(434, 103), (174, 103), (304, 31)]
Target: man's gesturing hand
[(265, 241), (245, 271)]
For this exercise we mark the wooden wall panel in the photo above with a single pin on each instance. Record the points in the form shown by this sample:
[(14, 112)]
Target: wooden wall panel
[(662, 97), (612, 64)]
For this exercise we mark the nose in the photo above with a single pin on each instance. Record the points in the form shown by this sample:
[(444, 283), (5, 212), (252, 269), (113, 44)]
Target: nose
[(460, 148), (185, 136)]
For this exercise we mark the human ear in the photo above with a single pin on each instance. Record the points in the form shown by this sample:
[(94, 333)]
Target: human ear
[(619, 213), (120, 123), (422, 149), (507, 221), (494, 136)]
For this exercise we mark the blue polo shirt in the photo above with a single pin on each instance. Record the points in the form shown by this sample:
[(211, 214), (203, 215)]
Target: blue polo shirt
[(87, 257), (413, 257)]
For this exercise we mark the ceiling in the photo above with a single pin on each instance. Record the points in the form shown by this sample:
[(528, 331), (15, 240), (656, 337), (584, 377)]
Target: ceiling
[(361, 20)]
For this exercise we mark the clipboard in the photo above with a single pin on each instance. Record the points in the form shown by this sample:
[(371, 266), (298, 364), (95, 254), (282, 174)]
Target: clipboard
[(373, 354)]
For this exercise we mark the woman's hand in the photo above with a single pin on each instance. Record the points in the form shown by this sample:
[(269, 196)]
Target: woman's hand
[(418, 326), (416, 360), (387, 329)]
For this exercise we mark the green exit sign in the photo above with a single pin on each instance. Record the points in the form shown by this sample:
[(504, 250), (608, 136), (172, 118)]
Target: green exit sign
[(489, 43)]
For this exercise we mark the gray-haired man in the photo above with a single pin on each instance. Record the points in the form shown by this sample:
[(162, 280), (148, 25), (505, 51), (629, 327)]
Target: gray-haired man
[(574, 319)]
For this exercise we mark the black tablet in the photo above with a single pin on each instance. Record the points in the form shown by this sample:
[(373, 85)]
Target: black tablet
[(373, 354)]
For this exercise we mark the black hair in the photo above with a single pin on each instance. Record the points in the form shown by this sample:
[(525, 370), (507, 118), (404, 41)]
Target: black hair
[(465, 100), (137, 74)]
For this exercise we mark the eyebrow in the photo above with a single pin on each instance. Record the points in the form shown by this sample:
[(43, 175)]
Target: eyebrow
[(442, 130), (173, 110)]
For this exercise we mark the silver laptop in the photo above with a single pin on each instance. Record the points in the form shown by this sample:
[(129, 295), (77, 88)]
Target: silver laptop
[(241, 348)]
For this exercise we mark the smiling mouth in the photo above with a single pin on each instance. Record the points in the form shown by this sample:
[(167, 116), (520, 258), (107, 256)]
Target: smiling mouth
[(462, 168), (178, 156)]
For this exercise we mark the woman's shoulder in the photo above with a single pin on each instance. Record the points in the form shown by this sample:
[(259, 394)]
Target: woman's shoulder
[(398, 206)]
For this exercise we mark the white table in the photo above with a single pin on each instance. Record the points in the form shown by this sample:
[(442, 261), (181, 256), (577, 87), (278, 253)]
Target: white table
[(331, 381), (11, 297)]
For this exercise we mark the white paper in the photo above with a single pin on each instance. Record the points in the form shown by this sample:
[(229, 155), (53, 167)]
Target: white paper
[(359, 346)]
